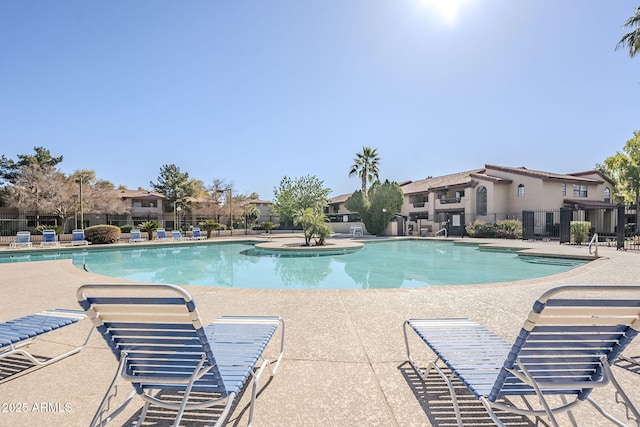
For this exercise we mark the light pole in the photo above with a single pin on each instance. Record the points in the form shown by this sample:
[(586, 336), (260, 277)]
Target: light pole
[(178, 209), (230, 212), (79, 181)]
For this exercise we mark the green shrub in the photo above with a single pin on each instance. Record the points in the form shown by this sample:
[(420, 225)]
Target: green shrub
[(480, 229), (126, 228), (579, 232), (509, 229), (101, 234)]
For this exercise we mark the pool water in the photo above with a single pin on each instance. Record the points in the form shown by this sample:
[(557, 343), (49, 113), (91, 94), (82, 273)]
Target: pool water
[(390, 264)]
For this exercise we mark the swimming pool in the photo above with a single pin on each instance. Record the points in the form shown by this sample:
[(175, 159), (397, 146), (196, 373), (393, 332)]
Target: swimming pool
[(388, 264)]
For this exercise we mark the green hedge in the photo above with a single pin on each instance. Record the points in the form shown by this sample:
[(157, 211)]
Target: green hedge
[(101, 234), (505, 229)]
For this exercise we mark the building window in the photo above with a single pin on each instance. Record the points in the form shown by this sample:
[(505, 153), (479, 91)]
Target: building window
[(481, 200), (607, 195), (521, 190), (143, 203), (579, 190), (564, 189)]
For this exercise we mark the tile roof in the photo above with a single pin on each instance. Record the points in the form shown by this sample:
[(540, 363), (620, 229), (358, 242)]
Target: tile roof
[(540, 174)]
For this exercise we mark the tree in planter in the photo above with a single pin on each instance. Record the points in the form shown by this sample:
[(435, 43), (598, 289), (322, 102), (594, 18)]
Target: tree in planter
[(376, 210), (312, 221), (149, 227)]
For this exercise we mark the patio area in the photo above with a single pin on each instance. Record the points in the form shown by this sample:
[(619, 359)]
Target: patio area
[(344, 362)]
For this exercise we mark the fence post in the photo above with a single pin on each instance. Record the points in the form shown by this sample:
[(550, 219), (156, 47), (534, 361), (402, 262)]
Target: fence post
[(528, 222), (565, 224), (621, 227)]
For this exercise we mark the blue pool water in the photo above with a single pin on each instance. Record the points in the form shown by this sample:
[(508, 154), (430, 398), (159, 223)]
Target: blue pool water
[(390, 264)]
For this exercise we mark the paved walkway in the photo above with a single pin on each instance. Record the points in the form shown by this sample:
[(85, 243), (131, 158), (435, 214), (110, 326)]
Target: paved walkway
[(344, 362)]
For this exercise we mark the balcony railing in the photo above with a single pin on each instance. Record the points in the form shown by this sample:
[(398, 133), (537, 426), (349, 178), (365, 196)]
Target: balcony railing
[(449, 201)]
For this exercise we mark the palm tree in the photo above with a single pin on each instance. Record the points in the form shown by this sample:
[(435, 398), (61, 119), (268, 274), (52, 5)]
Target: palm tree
[(632, 40), (365, 165)]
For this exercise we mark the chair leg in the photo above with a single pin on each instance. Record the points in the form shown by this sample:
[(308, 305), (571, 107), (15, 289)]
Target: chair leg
[(143, 414), (452, 392), (110, 394), (621, 397), (532, 382)]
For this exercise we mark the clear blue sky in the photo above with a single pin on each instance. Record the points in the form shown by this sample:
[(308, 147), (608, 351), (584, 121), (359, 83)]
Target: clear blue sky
[(251, 91)]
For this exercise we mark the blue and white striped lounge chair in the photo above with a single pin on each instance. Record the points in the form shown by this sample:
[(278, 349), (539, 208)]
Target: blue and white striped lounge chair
[(156, 334), (49, 238), (77, 238), (23, 238), (566, 347), (162, 233), (177, 235), (135, 236), (197, 234), (16, 334)]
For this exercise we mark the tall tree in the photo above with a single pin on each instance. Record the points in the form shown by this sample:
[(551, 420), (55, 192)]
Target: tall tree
[(10, 169), (365, 165), (294, 196), (175, 185), (384, 202), (631, 40), (37, 188), (624, 169)]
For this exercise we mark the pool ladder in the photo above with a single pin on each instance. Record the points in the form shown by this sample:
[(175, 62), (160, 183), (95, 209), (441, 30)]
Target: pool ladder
[(594, 243), (440, 231)]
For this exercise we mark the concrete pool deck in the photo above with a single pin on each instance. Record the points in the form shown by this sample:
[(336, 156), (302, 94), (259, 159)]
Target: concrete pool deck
[(344, 362)]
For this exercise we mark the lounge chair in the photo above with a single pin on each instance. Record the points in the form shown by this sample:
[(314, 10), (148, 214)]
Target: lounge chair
[(49, 238), (197, 234), (77, 238), (23, 238), (156, 334), (566, 346), (162, 233), (355, 231), (18, 333), (136, 237), (177, 235)]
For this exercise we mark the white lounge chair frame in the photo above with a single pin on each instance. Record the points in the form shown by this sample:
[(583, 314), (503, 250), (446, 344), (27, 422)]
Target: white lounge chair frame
[(160, 342), (566, 348), (177, 235), (17, 334), (23, 238)]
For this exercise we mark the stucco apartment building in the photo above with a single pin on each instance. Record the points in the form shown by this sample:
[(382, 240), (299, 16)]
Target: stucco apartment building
[(494, 193)]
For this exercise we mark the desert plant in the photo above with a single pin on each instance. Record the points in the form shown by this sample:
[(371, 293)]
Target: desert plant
[(149, 227), (209, 225), (509, 229), (267, 226), (101, 234), (322, 232), (579, 232)]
